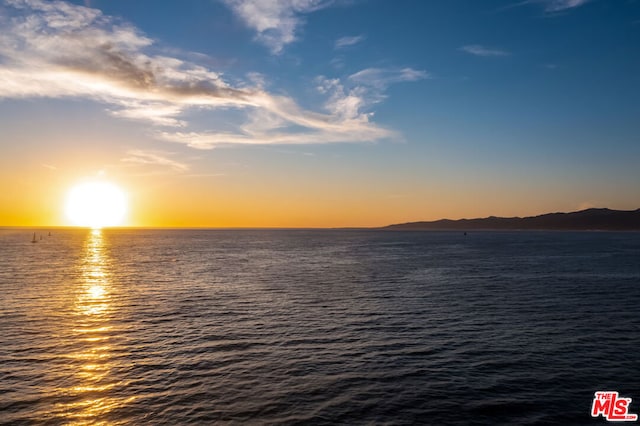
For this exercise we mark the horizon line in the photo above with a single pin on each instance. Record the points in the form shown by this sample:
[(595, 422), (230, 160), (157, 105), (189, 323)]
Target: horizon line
[(125, 227)]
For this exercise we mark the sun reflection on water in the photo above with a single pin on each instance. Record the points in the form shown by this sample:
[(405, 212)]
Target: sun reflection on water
[(94, 386), (94, 298)]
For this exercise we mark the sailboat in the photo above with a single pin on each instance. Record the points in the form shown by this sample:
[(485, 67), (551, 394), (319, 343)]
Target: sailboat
[(34, 238)]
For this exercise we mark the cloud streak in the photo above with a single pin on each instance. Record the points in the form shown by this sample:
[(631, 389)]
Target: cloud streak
[(478, 50), (554, 6), (275, 21), (154, 158), (558, 5), (381, 78), (54, 49), (344, 42)]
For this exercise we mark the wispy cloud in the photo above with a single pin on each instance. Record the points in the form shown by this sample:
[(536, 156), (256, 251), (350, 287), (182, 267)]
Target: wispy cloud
[(478, 50), (343, 42), (154, 158), (347, 116), (55, 49), (275, 21), (208, 140), (553, 6), (558, 5), (383, 77)]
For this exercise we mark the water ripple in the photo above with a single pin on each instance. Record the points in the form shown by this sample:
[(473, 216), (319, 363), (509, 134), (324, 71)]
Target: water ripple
[(320, 327)]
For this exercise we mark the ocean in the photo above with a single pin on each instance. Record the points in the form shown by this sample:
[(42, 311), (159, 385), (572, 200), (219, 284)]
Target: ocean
[(316, 326)]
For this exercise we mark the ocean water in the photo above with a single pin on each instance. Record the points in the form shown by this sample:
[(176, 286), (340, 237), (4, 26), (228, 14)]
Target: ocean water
[(316, 327)]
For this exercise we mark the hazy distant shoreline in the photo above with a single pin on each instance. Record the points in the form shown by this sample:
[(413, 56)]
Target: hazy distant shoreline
[(584, 220)]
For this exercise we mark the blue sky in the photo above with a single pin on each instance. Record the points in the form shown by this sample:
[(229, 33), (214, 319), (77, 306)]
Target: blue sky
[(413, 109)]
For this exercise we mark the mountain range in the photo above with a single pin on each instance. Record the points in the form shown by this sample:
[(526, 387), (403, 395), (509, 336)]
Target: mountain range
[(590, 219)]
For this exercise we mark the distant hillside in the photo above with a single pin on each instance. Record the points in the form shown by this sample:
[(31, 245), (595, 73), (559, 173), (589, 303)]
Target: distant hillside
[(590, 219)]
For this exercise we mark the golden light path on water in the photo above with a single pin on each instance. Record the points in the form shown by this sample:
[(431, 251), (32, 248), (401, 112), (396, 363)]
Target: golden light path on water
[(93, 389)]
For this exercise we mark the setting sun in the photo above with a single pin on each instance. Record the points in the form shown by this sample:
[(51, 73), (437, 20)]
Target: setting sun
[(96, 205)]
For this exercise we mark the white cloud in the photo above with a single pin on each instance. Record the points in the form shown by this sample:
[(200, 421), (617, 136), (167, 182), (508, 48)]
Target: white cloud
[(343, 42), (55, 49), (345, 103), (478, 50), (275, 21), (364, 89)]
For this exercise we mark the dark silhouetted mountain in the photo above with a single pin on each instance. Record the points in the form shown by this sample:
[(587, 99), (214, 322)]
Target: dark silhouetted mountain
[(590, 219)]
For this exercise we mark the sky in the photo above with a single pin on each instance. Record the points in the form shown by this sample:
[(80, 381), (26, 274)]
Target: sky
[(319, 113)]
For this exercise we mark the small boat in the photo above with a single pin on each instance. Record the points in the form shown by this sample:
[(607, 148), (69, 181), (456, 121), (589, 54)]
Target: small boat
[(34, 238)]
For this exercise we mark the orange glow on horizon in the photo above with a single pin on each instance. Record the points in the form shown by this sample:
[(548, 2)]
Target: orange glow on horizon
[(265, 201)]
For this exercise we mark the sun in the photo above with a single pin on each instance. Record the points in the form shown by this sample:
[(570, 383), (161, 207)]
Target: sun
[(96, 204)]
